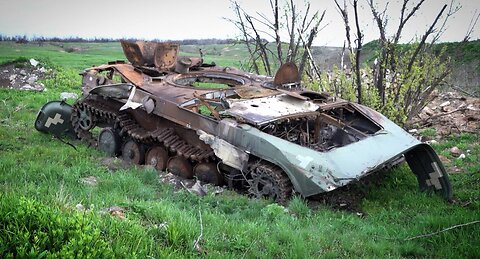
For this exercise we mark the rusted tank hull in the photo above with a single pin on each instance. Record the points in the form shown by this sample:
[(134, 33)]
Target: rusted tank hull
[(223, 125)]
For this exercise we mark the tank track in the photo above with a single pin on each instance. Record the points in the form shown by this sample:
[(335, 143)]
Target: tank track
[(100, 112), (129, 128), (266, 180)]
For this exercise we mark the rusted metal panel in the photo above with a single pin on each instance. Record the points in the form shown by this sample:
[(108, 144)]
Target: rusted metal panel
[(141, 53), (254, 92), (266, 109), (130, 74)]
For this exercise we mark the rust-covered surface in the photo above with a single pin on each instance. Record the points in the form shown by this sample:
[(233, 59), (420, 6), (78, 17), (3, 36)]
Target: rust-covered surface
[(222, 125)]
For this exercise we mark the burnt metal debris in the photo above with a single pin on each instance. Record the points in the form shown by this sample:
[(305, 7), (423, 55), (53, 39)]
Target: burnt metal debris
[(269, 136)]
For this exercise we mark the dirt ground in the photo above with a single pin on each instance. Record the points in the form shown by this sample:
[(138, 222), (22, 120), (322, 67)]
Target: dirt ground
[(448, 113), (23, 75)]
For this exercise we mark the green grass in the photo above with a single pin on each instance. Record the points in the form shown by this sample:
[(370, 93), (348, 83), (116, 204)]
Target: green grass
[(40, 180)]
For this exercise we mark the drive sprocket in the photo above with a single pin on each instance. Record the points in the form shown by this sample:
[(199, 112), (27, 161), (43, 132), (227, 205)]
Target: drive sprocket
[(269, 181)]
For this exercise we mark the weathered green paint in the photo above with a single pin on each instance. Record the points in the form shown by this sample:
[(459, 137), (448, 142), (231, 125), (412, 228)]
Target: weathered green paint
[(313, 172)]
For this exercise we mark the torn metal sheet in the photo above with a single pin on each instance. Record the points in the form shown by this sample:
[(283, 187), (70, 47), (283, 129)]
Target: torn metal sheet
[(266, 109), (313, 172), (120, 91), (228, 153), (130, 103), (254, 92)]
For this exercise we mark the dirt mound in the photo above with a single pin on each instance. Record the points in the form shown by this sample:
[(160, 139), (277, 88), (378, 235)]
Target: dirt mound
[(22, 75), (449, 113)]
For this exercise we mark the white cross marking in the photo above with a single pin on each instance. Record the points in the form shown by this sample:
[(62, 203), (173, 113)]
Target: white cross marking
[(435, 176), (54, 121)]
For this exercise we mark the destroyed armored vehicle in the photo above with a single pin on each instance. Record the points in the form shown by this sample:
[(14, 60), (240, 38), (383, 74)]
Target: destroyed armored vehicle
[(269, 136)]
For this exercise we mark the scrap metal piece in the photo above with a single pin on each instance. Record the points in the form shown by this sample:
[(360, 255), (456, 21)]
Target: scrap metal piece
[(109, 141), (165, 55), (428, 168), (85, 118), (130, 103), (254, 92), (287, 76), (141, 53), (54, 118), (261, 111), (268, 181), (183, 65), (228, 153), (120, 91), (149, 104), (133, 52), (208, 172)]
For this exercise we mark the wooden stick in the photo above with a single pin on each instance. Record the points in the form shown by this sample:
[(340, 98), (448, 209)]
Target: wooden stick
[(197, 241), (443, 230)]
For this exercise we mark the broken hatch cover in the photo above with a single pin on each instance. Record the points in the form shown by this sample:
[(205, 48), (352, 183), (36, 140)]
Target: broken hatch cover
[(287, 74)]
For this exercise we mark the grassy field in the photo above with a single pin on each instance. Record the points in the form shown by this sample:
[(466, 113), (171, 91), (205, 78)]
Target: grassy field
[(40, 183), (79, 56)]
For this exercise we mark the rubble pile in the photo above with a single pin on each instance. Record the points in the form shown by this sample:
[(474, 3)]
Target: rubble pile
[(23, 76), (449, 113)]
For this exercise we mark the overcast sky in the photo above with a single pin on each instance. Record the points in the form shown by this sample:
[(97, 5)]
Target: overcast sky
[(183, 19)]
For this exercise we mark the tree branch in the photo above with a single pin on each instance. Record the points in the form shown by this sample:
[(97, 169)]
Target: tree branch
[(404, 21), (451, 11), (357, 54), (291, 32), (307, 45), (344, 13), (471, 26), (276, 26), (424, 38), (241, 25)]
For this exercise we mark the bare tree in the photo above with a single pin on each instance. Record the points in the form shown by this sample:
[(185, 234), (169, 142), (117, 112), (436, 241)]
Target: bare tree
[(246, 39), (295, 22), (403, 77), (357, 53), (354, 54)]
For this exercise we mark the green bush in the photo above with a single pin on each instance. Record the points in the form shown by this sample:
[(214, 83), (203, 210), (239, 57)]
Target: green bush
[(406, 88), (28, 228)]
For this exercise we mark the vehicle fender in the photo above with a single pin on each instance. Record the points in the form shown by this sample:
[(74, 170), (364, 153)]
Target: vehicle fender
[(54, 118)]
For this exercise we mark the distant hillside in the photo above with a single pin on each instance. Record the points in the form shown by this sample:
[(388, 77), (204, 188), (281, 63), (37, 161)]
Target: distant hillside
[(465, 64)]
